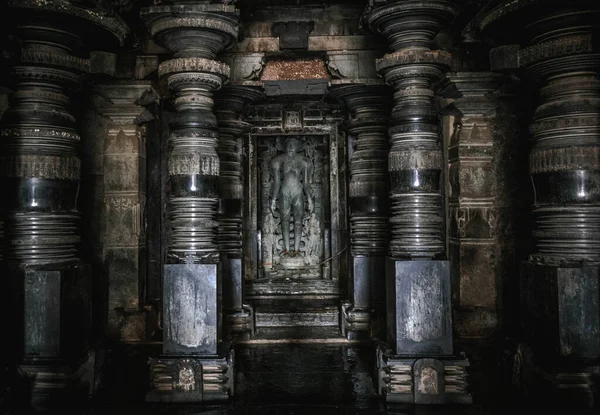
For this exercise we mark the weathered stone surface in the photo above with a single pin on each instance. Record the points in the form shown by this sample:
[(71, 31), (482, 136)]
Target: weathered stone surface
[(124, 192), (191, 309), (483, 200), (419, 320)]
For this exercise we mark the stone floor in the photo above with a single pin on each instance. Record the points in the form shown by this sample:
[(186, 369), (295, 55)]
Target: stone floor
[(303, 375)]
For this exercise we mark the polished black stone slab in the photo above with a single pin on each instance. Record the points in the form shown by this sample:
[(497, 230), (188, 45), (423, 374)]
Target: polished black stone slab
[(561, 311), (55, 306), (191, 309), (419, 320)]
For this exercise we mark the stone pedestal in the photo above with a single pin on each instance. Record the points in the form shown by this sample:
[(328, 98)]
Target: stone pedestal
[(422, 380), (191, 309), (190, 369), (52, 332), (419, 320), (561, 326), (417, 365)]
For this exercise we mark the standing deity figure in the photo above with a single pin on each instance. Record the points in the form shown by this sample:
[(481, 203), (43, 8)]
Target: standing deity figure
[(291, 183)]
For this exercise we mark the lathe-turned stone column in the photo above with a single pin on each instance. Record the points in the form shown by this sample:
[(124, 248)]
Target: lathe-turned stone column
[(560, 284), (124, 240), (192, 367), (369, 105), (230, 102), (40, 170), (417, 368)]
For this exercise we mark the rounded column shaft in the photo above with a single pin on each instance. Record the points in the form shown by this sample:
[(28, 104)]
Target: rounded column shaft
[(564, 161), (231, 101), (415, 159), (195, 33), (40, 165)]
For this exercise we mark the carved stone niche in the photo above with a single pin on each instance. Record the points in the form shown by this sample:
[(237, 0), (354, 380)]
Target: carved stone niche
[(301, 165)]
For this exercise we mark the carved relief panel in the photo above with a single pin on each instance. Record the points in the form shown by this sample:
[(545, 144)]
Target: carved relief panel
[(293, 205)]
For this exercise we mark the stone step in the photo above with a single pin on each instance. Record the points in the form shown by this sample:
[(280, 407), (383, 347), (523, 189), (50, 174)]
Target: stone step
[(302, 317)]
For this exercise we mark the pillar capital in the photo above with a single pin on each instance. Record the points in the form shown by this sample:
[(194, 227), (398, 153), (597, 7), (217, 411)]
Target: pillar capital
[(121, 100), (410, 23), (193, 29)]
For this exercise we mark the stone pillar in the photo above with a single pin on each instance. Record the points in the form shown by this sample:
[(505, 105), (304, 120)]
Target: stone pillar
[(369, 105), (230, 102), (419, 321), (40, 170), (124, 242), (193, 366), (560, 310), (480, 206)]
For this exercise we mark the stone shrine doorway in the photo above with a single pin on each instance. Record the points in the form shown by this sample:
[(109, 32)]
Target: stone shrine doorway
[(295, 172)]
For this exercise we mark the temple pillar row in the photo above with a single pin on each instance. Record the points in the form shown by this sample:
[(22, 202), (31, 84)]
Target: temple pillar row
[(194, 365)]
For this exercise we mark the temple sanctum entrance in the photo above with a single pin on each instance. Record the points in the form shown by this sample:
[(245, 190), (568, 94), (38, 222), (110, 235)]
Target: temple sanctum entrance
[(294, 162)]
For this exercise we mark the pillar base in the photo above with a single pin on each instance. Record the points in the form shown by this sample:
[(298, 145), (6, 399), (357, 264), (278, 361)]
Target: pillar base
[(52, 329), (58, 384), (191, 378), (240, 323), (191, 309), (419, 320), (558, 356), (422, 380), (363, 317), (355, 323)]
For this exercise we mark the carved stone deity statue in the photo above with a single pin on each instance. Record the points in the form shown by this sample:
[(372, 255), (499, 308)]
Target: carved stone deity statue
[(291, 184)]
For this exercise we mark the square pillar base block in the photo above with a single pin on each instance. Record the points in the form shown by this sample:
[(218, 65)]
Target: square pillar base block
[(191, 379), (419, 315), (561, 312), (422, 380), (191, 309)]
